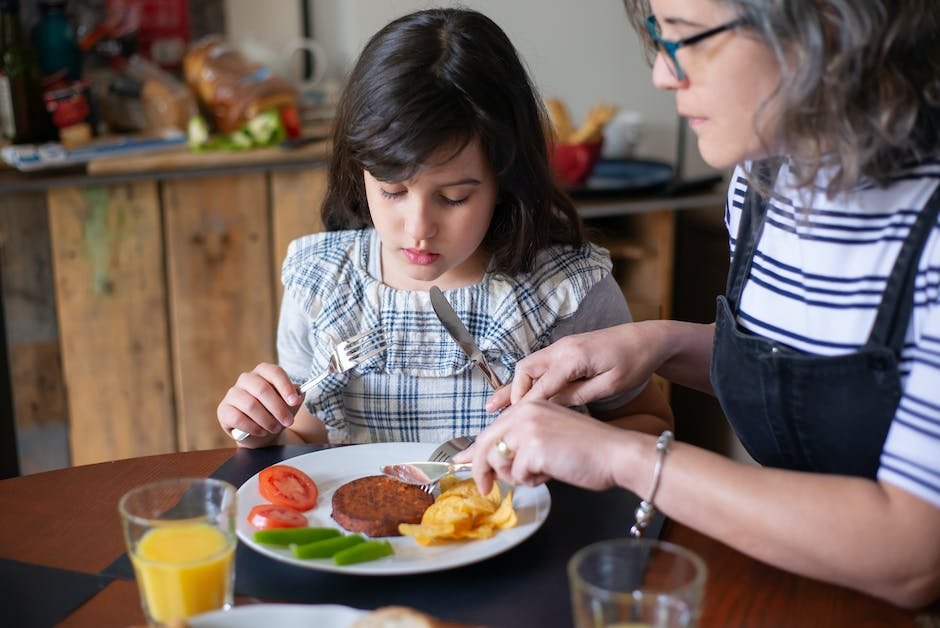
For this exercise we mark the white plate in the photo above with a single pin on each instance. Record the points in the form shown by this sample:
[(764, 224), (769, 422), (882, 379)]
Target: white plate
[(331, 468), (280, 615)]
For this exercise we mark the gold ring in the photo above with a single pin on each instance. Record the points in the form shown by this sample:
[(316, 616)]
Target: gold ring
[(504, 450)]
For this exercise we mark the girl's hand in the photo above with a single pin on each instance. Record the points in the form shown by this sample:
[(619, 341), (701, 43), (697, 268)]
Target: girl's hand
[(547, 441), (262, 403), (584, 367)]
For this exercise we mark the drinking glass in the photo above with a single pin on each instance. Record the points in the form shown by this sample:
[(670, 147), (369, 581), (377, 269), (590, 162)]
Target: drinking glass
[(180, 536), (629, 582)]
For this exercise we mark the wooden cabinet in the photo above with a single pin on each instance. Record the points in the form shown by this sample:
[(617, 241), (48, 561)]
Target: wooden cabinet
[(134, 300), (641, 247), (159, 291)]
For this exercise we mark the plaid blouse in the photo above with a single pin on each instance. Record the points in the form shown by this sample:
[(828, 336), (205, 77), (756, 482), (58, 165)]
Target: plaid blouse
[(423, 388)]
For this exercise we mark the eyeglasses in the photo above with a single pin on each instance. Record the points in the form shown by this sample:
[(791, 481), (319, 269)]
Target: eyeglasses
[(671, 46)]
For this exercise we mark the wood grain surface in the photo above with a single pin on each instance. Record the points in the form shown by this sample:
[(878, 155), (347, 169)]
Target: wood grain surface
[(221, 294), (68, 519), (182, 158), (296, 198), (107, 251)]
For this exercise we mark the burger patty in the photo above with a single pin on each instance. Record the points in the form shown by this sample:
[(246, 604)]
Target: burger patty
[(376, 504)]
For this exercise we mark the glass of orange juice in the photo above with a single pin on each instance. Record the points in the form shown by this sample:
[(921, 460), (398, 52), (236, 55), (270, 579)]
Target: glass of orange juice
[(181, 540)]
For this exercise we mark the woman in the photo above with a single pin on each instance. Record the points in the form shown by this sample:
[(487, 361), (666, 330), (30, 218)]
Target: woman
[(825, 353)]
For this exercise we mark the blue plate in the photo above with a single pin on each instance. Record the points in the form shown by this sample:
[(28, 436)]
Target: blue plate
[(617, 177)]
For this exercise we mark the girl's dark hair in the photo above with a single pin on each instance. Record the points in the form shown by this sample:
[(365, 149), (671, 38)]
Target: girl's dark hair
[(440, 78), (860, 82)]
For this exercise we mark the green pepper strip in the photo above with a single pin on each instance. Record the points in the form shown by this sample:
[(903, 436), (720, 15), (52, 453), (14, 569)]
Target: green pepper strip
[(362, 552), (327, 548), (297, 536)]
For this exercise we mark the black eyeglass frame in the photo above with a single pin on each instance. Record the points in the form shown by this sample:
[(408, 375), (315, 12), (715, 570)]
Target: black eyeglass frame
[(670, 46)]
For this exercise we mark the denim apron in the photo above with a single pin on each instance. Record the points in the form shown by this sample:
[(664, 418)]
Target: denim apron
[(800, 411)]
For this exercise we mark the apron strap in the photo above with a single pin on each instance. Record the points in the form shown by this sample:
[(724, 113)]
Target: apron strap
[(897, 303), (750, 228)]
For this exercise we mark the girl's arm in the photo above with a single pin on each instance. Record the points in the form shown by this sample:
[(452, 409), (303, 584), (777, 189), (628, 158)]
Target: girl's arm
[(306, 429)]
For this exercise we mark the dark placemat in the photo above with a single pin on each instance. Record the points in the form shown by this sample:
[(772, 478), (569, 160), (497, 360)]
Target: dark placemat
[(243, 464), (35, 595), (525, 586)]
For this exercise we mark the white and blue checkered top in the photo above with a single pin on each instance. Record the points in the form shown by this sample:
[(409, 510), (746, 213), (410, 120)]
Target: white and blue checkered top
[(423, 388)]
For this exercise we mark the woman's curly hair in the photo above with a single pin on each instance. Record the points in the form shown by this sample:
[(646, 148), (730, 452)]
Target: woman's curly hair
[(860, 82)]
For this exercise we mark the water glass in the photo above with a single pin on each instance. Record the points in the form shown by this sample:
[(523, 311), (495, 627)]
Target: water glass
[(629, 582), (180, 536)]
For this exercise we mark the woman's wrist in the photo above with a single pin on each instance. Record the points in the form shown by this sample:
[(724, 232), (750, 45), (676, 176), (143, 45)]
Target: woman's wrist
[(633, 461), (658, 343), (681, 351)]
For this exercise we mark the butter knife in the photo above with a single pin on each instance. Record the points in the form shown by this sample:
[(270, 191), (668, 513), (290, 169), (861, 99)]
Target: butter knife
[(461, 335), (423, 473)]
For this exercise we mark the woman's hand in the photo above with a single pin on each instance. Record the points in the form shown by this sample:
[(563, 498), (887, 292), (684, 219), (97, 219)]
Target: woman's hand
[(547, 441), (584, 367), (262, 403)]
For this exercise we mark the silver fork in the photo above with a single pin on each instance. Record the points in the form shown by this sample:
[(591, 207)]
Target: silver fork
[(345, 356), (445, 453)]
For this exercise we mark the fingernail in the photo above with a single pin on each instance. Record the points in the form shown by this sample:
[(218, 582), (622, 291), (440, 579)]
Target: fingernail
[(287, 421), (294, 399)]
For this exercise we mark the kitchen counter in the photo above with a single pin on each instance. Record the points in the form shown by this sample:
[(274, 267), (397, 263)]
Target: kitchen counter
[(174, 163)]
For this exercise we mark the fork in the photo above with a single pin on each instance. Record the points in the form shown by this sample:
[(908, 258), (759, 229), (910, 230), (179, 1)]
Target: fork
[(445, 453), (345, 356)]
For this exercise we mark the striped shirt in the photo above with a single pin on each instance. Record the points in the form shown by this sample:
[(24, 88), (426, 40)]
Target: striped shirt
[(816, 282), (424, 388)]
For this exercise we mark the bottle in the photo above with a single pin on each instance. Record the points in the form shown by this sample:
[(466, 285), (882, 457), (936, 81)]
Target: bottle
[(56, 45), (23, 117)]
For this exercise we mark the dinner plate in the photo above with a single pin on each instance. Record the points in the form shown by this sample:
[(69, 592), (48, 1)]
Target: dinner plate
[(331, 468), (617, 177), (280, 615)]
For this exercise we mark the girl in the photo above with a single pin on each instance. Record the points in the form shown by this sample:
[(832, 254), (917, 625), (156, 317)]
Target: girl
[(438, 176), (825, 353)]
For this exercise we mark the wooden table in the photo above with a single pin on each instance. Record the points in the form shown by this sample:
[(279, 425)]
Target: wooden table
[(68, 519)]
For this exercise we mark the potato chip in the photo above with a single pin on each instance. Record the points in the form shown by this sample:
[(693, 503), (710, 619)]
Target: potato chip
[(447, 482), (468, 488), (504, 516), (460, 512)]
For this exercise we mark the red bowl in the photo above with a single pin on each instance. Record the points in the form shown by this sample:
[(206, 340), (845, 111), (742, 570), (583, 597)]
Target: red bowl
[(572, 164)]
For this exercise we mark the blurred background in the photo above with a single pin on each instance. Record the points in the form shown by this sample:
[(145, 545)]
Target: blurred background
[(122, 223), (581, 52)]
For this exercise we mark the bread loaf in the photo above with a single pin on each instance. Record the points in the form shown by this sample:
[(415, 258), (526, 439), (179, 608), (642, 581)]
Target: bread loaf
[(230, 89), (403, 617)]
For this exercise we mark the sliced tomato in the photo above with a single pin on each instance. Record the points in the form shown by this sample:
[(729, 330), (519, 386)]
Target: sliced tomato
[(267, 516), (284, 485)]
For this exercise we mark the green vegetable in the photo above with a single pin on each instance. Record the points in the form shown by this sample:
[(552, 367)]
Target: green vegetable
[(362, 552), (197, 132), (239, 140), (294, 536), (326, 548), (266, 128)]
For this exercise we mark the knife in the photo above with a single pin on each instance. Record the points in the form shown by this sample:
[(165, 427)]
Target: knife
[(460, 334), (423, 473)]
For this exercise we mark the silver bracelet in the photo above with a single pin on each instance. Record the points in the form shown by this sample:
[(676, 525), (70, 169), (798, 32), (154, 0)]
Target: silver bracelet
[(644, 512)]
